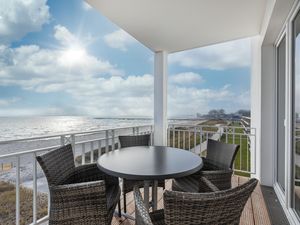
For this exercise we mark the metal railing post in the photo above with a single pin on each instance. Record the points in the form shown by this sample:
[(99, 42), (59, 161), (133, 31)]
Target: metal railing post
[(226, 134), (83, 154), (73, 143), (92, 152), (233, 135), (106, 141), (62, 140), (195, 138), (178, 138), (34, 202), (112, 140), (99, 148), (173, 136), (183, 136), (189, 139), (201, 133), (151, 135), (169, 137), (18, 190)]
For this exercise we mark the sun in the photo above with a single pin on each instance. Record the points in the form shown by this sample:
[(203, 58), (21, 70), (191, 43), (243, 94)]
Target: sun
[(73, 55)]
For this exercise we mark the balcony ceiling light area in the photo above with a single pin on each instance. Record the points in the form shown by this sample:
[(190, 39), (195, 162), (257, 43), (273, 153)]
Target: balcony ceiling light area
[(176, 25)]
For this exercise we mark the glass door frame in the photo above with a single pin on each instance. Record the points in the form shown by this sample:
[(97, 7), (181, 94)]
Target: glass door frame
[(287, 198), (291, 112), (281, 37)]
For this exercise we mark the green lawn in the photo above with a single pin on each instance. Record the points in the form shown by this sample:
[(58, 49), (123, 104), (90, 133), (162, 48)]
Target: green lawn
[(241, 162)]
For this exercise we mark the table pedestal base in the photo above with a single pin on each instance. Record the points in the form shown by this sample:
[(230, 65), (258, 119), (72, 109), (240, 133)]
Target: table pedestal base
[(154, 194), (126, 215), (152, 204)]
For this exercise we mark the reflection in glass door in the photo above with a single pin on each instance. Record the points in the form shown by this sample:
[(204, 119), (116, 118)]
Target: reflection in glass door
[(281, 53), (296, 112)]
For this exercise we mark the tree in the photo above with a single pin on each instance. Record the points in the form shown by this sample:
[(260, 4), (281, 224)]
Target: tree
[(243, 112)]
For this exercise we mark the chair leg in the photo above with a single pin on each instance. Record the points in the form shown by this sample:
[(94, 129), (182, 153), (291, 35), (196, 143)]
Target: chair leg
[(119, 208), (124, 201)]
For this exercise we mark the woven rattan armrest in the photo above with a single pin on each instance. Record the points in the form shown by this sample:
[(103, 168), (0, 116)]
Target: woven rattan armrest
[(90, 172)]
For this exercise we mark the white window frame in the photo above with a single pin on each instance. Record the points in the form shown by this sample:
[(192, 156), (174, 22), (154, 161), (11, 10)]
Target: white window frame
[(287, 198)]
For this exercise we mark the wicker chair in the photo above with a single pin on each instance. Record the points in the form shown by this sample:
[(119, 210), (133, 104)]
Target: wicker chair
[(78, 195), (130, 141), (180, 208), (217, 168)]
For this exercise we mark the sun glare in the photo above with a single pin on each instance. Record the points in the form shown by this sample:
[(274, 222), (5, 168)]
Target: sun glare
[(73, 55)]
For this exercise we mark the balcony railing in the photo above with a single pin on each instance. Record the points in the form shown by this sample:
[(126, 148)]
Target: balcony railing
[(88, 146), (194, 138), (21, 165)]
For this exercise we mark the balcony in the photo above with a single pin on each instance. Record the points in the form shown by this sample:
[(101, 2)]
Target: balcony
[(31, 190)]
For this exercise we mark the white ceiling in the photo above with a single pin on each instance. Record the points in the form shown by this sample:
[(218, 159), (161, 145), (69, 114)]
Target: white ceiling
[(176, 25)]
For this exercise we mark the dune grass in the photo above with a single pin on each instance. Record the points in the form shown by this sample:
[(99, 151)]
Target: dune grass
[(8, 204)]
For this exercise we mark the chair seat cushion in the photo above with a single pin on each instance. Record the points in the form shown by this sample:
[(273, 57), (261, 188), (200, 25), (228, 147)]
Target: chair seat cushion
[(112, 195), (186, 184), (157, 217)]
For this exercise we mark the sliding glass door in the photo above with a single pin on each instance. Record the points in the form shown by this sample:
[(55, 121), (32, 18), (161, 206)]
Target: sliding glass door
[(296, 113), (281, 76)]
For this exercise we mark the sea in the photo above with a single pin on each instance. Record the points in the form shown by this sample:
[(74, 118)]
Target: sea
[(12, 128)]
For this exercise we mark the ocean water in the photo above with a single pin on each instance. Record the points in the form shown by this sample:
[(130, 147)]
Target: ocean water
[(26, 127)]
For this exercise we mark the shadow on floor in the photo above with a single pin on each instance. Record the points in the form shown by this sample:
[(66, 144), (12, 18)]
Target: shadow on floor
[(275, 210)]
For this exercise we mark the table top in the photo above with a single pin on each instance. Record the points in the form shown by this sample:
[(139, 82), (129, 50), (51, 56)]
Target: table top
[(149, 163)]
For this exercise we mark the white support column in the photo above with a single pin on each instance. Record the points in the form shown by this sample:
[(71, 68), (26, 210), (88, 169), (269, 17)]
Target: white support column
[(256, 105), (160, 97), (268, 115)]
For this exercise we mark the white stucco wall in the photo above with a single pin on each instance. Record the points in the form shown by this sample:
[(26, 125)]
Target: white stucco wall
[(263, 88)]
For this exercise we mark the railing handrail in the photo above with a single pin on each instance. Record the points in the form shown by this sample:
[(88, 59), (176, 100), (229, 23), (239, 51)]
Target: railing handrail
[(211, 126), (183, 133), (17, 154), (246, 117), (72, 133)]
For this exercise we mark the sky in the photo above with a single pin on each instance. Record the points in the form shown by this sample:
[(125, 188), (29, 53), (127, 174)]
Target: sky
[(65, 58)]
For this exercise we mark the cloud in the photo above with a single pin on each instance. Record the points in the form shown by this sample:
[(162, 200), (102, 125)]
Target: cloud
[(94, 86), (42, 70), (30, 111), (8, 101), (234, 54), (86, 6), (64, 36), (192, 100), (19, 17), (34, 68), (119, 39), (188, 78)]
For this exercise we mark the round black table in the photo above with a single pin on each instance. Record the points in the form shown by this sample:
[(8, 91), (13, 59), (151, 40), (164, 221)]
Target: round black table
[(150, 163)]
